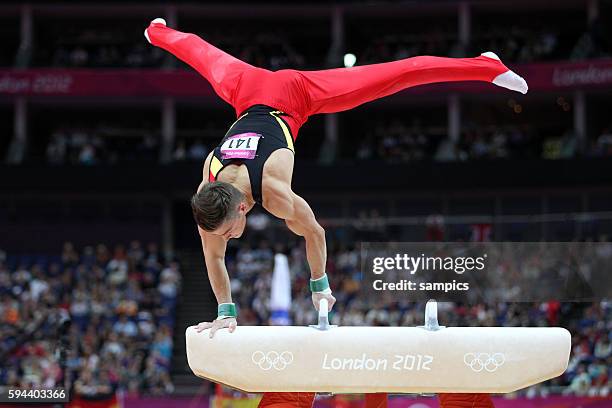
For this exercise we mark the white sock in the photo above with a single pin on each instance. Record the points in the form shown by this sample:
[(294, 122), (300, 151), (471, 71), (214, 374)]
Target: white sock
[(508, 79), (158, 20)]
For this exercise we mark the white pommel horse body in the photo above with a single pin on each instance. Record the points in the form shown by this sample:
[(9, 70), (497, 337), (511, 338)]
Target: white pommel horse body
[(425, 359)]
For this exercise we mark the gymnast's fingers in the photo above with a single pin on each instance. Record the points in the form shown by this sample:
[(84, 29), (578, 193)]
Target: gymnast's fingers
[(331, 301), (214, 329), (203, 326), (232, 325)]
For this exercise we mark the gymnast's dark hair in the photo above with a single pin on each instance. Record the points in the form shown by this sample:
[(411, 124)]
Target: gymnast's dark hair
[(215, 203)]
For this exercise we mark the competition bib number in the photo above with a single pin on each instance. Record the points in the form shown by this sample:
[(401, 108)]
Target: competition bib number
[(241, 146)]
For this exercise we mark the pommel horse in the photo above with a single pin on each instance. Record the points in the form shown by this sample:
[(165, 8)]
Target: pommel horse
[(344, 360)]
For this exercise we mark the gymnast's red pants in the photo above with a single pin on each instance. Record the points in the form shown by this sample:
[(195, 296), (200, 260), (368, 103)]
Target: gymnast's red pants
[(304, 93), (305, 400)]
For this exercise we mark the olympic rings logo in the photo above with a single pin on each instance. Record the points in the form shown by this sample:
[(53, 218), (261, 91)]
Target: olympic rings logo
[(484, 361), (272, 359)]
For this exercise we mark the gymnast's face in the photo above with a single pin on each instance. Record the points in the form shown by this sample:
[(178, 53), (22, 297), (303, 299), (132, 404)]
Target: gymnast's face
[(233, 226)]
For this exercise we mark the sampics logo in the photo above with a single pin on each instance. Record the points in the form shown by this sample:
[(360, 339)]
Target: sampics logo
[(412, 264)]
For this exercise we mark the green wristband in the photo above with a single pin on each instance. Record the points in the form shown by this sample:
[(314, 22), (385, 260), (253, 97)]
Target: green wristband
[(226, 310), (319, 285)]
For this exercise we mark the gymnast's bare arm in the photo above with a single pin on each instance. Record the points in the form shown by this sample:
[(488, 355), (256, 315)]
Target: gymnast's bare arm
[(213, 247), (281, 201)]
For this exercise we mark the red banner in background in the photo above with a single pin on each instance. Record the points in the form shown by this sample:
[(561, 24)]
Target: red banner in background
[(100, 82), (555, 76), (78, 402), (182, 83)]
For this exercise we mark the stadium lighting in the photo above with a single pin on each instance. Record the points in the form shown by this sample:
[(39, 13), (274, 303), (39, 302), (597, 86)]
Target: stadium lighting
[(349, 60)]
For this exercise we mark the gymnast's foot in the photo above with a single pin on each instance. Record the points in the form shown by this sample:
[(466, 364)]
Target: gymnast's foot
[(508, 79), (156, 21)]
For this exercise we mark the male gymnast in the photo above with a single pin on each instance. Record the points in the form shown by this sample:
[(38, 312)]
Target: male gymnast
[(253, 163)]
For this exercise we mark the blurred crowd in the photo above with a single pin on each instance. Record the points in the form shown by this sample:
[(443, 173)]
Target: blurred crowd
[(121, 303), (121, 45), (514, 42), (393, 141), (266, 49), (124, 46), (398, 141), (263, 50), (101, 55), (83, 45), (545, 42), (105, 144), (195, 150)]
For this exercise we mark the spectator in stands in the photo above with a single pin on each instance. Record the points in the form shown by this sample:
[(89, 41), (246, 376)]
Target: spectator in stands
[(593, 43), (135, 252), (57, 147), (156, 380), (38, 284), (93, 385), (87, 155), (169, 284), (581, 383), (603, 143), (146, 326), (149, 147), (113, 345), (197, 151), (69, 255), (125, 327), (603, 348), (117, 268), (180, 153), (162, 346), (560, 147)]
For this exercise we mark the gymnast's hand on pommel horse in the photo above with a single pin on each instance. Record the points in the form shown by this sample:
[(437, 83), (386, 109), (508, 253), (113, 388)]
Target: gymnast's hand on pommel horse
[(226, 311)]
